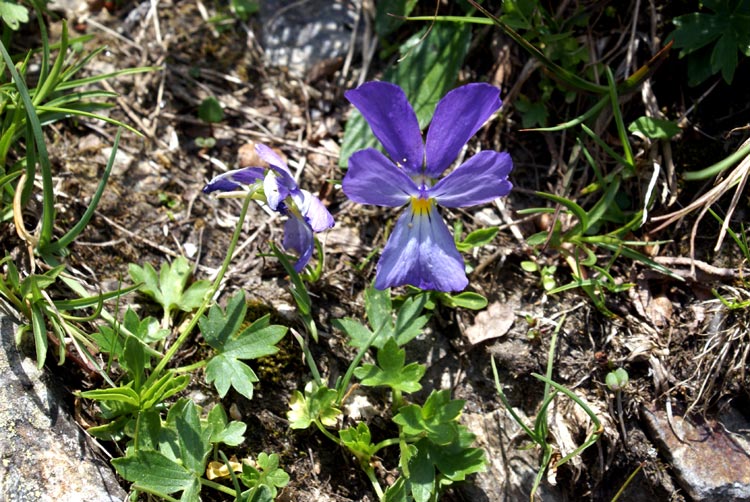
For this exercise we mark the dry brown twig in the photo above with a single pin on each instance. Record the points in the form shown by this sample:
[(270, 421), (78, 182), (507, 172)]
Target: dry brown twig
[(737, 176)]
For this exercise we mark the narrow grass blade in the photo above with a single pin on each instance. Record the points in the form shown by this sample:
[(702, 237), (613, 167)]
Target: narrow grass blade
[(70, 236), (622, 131), (48, 202)]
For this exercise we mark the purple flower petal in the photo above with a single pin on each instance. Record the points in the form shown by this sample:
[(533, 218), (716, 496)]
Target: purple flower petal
[(482, 178), (285, 178), (298, 236), (457, 117), (313, 210), (274, 189), (392, 120), (373, 179), (421, 252), (268, 155), (231, 180), (278, 166)]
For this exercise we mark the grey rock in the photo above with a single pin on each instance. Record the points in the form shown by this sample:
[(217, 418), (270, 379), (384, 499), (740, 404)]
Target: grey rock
[(299, 34), (44, 456), (511, 470), (711, 460)]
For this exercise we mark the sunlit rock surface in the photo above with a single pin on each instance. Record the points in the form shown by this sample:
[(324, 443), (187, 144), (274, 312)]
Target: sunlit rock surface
[(44, 455)]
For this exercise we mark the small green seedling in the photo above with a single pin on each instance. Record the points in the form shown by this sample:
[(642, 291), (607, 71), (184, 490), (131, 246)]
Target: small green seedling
[(546, 273)]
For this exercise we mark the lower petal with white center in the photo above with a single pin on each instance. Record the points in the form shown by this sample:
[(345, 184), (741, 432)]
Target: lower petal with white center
[(421, 252)]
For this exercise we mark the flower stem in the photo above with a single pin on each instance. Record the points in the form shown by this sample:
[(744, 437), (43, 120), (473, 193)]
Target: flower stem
[(217, 486), (398, 400), (308, 358), (206, 299), (385, 443), (191, 367), (327, 433), (374, 480)]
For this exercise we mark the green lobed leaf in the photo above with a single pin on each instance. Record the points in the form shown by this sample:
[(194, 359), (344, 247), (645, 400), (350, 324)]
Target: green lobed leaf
[(436, 420), (359, 441), (458, 459), (257, 340), (270, 465), (225, 372), (408, 324), (220, 325), (422, 475), (724, 56), (409, 321), (192, 492), (154, 471), (696, 30), (168, 287), (13, 14), (726, 26), (533, 113), (147, 430), (193, 438), (193, 297), (266, 474), (317, 403), (378, 308), (391, 371), (222, 431), (358, 334)]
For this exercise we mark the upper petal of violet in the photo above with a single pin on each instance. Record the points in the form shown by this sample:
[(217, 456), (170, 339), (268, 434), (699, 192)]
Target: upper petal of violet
[(458, 116), (393, 121), (231, 180), (272, 158), (421, 252), (373, 179), (482, 178)]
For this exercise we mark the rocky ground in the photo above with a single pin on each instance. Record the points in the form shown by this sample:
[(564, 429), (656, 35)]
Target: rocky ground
[(682, 421)]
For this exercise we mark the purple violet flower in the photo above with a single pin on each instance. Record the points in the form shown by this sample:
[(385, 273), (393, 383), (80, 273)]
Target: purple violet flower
[(305, 211), (421, 251)]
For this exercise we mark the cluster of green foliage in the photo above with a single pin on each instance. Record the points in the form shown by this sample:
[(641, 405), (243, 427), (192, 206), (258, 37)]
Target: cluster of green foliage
[(174, 446), (168, 443), (61, 92), (434, 450)]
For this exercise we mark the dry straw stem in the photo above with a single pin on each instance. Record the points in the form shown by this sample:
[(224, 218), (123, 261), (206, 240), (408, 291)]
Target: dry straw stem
[(737, 176)]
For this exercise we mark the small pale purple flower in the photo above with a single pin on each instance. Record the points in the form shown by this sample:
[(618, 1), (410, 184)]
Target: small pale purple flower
[(421, 250), (305, 211)]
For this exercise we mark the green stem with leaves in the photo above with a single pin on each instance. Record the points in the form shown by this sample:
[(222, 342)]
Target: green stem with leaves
[(187, 330)]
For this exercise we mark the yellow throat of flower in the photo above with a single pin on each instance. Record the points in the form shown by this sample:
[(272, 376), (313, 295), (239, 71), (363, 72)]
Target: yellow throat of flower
[(420, 206)]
